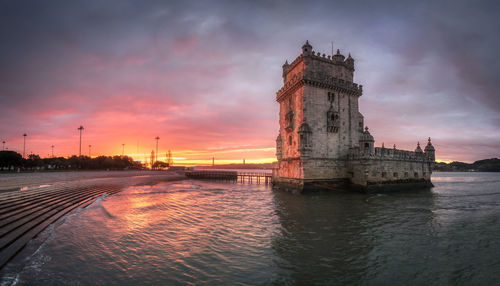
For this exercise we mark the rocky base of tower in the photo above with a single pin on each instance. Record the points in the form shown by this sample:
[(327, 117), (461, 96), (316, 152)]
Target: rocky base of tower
[(396, 185), (298, 186)]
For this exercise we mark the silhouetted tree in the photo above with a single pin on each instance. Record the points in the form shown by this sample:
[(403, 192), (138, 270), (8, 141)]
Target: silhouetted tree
[(160, 165), (10, 160)]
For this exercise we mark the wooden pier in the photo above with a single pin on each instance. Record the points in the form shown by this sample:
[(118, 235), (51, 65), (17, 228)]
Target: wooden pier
[(242, 177)]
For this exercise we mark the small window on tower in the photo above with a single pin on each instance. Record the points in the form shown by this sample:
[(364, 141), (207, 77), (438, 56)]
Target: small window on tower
[(290, 140), (330, 97)]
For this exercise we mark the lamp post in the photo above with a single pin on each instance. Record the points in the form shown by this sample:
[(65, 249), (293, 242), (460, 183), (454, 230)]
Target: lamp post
[(24, 146), (80, 129), (3, 147), (156, 154), (123, 149), (52, 151), (90, 146)]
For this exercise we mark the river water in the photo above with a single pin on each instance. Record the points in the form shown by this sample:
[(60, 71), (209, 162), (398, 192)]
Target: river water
[(216, 233)]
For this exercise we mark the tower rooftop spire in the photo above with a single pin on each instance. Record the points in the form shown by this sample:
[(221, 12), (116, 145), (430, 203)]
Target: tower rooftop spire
[(307, 48)]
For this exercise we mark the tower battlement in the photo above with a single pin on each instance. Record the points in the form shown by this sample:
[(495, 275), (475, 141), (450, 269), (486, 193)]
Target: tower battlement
[(322, 136), (333, 66)]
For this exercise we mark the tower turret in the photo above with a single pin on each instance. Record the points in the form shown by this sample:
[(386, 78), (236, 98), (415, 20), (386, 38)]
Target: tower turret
[(307, 48), (418, 150), (429, 151), (366, 142), (285, 68), (338, 58), (349, 62)]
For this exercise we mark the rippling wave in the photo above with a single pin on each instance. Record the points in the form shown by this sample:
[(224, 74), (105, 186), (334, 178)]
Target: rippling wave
[(215, 233)]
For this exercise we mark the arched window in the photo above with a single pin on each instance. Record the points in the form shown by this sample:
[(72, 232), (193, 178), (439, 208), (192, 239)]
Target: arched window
[(290, 140)]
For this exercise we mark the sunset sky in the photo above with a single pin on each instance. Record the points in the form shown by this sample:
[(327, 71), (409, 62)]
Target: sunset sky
[(203, 75)]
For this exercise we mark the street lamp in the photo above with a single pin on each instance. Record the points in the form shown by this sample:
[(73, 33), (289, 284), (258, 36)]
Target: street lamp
[(3, 147), (80, 129), (157, 138), (90, 146), (123, 149), (52, 151), (24, 146)]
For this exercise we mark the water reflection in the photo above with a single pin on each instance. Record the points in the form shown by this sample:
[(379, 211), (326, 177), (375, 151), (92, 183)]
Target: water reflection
[(335, 238), (215, 233)]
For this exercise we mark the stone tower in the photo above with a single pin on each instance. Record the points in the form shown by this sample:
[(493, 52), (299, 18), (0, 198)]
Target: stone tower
[(322, 134), (319, 117)]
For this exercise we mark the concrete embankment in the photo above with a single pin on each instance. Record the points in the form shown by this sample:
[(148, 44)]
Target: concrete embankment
[(30, 203)]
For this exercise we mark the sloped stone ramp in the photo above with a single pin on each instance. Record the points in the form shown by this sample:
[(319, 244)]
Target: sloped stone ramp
[(24, 213)]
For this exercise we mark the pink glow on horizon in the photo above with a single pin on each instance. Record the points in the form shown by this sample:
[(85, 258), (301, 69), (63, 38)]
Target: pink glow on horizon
[(203, 77)]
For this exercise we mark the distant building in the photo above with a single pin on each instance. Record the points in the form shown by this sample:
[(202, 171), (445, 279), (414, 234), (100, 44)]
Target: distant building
[(322, 141), (181, 168)]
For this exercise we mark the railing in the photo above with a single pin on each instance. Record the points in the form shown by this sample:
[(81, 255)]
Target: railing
[(257, 177)]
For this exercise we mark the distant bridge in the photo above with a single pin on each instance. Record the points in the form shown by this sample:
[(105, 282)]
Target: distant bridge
[(243, 177)]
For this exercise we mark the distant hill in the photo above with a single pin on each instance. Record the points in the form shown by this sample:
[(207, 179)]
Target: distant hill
[(486, 165)]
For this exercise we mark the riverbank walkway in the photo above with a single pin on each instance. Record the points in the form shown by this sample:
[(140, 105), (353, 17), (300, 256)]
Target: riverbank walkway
[(27, 209)]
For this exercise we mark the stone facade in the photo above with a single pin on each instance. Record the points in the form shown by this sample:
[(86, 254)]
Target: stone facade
[(322, 141)]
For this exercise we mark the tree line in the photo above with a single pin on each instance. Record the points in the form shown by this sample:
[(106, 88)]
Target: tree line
[(486, 165), (13, 161)]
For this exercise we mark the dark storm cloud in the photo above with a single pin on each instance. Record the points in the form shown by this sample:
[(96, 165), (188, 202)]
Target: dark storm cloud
[(431, 65)]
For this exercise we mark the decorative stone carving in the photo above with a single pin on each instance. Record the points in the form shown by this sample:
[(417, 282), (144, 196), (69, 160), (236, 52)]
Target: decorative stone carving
[(333, 120), (289, 118), (305, 137), (279, 147)]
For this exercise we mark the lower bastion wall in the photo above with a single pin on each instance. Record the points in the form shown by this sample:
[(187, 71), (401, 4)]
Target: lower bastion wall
[(385, 166), (380, 168), (369, 172)]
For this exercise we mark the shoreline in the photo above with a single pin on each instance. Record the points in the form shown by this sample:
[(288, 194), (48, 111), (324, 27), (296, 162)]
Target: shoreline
[(26, 210)]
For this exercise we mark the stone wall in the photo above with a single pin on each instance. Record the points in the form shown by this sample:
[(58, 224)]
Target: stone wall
[(333, 145), (324, 169), (292, 103), (365, 172), (290, 168)]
